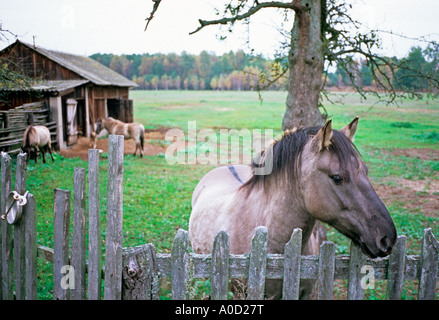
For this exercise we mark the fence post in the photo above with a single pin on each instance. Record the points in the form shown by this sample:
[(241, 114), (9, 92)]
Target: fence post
[(30, 228), (19, 233), (78, 239), (61, 224), (326, 270), (6, 231), (113, 241), (258, 264), (220, 267), (395, 274), (94, 233), (356, 262), (140, 273), (180, 264), (292, 256), (428, 266)]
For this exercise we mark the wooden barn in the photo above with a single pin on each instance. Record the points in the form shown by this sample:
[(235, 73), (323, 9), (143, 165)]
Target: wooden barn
[(76, 91)]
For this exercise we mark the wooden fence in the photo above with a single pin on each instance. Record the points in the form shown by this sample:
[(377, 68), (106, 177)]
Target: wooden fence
[(13, 123), (135, 272)]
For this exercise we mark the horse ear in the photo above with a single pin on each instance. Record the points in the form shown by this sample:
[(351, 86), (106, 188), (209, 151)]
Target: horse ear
[(322, 139), (350, 129)]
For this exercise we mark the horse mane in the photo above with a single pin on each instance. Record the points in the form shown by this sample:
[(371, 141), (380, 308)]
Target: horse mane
[(28, 133), (286, 155)]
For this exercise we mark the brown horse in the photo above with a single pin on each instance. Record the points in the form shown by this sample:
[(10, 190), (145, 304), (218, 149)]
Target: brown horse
[(317, 174), (131, 130), (37, 137)]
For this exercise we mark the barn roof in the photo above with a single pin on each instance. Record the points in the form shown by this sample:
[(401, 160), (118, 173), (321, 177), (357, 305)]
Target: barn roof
[(57, 85), (86, 67)]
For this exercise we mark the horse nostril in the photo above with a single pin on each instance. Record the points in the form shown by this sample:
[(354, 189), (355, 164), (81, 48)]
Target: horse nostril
[(384, 244)]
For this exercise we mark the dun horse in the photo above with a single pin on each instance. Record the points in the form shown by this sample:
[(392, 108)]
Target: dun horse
[(132, 130), (37, 137), (317, 175)]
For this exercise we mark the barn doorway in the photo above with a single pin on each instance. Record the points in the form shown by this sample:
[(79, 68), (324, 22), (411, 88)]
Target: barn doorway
[(73, 120), (121, 109)]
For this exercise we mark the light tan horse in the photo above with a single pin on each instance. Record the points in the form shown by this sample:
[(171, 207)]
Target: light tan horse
[(131, 130), (317, 174), (92, 143), (37, 137)]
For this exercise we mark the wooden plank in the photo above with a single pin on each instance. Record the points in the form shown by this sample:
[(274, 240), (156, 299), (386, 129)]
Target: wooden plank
[(94, 233), (356, 263), (19, 233), (258, 264), (61, 225), (78, 240), (30, 218), (180, 260), (238, 266), (7, 262), (428, 266), (326, 270), (220, 267), (140, 273), (292, 255), (113, 241), (45, 253), (396, 269)]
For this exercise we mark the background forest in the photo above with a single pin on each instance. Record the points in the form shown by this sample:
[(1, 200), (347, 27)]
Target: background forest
[(242, 71)]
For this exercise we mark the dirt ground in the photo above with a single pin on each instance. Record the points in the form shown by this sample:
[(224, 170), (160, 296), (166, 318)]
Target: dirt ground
[(418, 194), (414, 194), (150, 148)]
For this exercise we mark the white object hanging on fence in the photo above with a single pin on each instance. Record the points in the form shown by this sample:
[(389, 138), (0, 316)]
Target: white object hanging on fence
[(14, 205)]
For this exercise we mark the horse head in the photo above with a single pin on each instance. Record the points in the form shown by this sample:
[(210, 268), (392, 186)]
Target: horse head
[(335, 188), (100, 125)]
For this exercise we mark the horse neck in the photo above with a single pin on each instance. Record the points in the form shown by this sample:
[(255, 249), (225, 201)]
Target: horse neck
[(28, 134), (283, 211)]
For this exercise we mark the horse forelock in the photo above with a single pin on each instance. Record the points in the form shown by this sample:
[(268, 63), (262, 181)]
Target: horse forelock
[(287, 151)]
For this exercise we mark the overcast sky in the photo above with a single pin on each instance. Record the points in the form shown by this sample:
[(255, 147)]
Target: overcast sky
[(115, 26)]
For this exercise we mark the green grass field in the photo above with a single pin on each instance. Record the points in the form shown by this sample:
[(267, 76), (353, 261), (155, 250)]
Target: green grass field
[(399, 144)]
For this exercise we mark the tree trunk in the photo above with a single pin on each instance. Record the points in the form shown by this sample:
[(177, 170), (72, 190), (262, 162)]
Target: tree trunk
[(306, 61)]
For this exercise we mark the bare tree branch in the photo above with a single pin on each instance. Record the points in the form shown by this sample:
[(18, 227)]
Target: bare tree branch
[(154, 10), (5, 32), (293, 5)]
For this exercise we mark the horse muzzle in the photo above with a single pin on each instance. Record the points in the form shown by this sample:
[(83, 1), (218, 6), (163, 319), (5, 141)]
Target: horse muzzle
[(380, 246)]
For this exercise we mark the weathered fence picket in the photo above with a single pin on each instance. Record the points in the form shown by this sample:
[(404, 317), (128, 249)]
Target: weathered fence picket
[(140, 273), (30, 229), (94, 225), (19, 233), (357, 261), (61, 227), (219, 280), (395, 274), (325, 276), (258, 264), (428, 266), (7, 231), (180, 265), (292, 254), (78, 240), (113, 241)]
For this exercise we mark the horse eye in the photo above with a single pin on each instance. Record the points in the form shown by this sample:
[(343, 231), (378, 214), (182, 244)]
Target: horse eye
[(337, 179)]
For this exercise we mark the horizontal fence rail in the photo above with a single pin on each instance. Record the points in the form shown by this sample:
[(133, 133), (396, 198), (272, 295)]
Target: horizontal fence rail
[(325, 268)]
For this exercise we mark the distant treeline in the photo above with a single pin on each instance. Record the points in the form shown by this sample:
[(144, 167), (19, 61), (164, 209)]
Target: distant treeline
[(241, 71), (206, 71)]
